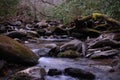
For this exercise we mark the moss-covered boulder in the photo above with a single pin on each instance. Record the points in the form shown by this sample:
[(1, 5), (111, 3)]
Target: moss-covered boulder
[(12, 51), (69, 54)]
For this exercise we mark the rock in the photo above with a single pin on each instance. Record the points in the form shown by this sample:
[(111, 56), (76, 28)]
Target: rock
[(69, 54), (59, 31), (75, 45), (16, 23), (104, 54), (32, 73), (117, 36), (32, 34), (42, 24), (2, 64), (13, 51), (29, 27), (16, 34), (41, 52), (106, 42), (53, 72), (41, 32), (103, 68), (20, 76), (79, 73)]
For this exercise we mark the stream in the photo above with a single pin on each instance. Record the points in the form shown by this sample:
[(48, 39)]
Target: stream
[(101, 68)]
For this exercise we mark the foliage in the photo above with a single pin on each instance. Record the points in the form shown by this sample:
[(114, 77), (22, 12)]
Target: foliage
[(8, 7), (77, 8), (111, 8)]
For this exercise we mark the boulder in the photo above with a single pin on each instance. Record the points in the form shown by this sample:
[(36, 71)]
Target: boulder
[(13, 51), (32, 73), (32, 33), (75, 45), (69, 54), (53, 72), (104, 54), (16, 34), (41, 52), (79, 73)]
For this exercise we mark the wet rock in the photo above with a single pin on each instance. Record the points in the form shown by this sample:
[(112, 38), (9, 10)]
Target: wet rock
[(69, 54), (103, 67), (16, 34), (29, 27), (32, 34), (41, 52), (53, 72), (13, 51), (33, 73), (104, 54), (79, 73), (54, 52), (75, 45)]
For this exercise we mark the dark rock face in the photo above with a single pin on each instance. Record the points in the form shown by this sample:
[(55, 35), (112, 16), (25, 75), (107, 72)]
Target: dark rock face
[(20, 76), (75, 72), (59, 31), (53, 72), (12, 51)]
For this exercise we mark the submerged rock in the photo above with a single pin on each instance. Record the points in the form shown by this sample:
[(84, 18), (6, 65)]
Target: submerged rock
[(53, 72), (79, 73), (13, 51)]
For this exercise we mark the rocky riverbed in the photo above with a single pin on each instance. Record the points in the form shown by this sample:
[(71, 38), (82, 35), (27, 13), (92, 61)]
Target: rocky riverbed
[(49, 50)]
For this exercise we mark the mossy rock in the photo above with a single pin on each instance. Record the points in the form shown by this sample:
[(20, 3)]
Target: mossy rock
[(69, 54), (12, 51)]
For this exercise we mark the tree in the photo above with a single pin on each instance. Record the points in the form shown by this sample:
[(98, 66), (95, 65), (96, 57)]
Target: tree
[(8, 7), (77, 8), (111, 8)]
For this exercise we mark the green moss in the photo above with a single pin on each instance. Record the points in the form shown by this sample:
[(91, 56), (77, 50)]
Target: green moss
[(16, 50), (69, 54), (92, 30)]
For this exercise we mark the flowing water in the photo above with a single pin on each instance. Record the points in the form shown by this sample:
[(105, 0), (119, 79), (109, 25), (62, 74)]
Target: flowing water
[(101, 68)]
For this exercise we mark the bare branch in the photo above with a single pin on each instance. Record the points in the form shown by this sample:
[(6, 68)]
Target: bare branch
[(48, 3)]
